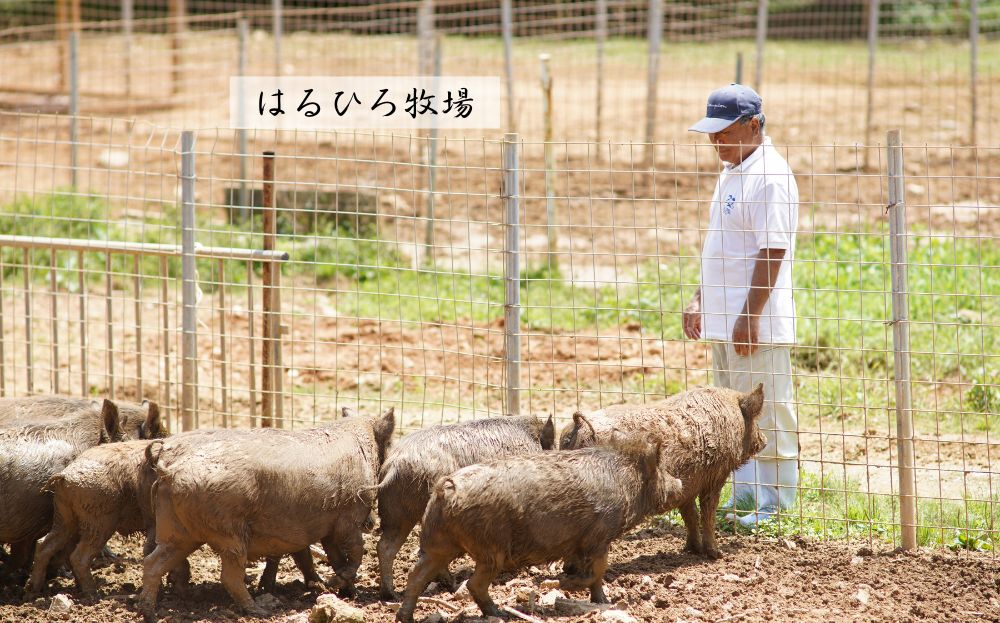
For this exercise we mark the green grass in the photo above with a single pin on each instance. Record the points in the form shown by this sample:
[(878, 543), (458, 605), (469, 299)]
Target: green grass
[(832, 509)]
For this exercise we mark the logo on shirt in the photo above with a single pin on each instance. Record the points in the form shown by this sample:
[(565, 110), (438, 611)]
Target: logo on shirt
[(729, 205)]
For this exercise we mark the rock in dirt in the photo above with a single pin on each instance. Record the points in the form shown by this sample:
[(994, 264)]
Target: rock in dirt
[(549, 598), (549, 584), (618, 616), (462, 592), (436, 617), (525, 595), (61, 606), (731, 577), (574, 607), (331, 609), (862, 596), (267, 601), (112, 159)]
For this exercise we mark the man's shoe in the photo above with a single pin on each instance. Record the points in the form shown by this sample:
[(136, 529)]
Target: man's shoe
[(759, 516)]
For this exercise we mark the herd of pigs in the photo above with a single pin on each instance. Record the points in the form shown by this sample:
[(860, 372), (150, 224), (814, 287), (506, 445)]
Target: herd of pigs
[(74, 471)]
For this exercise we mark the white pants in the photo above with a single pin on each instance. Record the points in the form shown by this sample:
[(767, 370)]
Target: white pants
[(772, 477)]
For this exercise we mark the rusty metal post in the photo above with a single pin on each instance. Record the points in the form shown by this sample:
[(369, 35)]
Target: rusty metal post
[(267, 326)]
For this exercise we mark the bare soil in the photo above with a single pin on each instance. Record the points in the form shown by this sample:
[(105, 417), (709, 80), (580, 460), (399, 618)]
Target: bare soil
[(649, 576)]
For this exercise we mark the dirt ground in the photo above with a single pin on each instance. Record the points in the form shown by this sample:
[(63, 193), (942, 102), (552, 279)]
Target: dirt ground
[(650, 577)]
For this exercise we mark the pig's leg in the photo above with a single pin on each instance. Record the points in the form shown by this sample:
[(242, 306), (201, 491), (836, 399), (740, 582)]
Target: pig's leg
[(597, 570), (689, 513), (180, 576), (344, 551), (708, 499), (269, 578), (165, 557), (393, 537), (92, 540), (21, 554), (62, 534), (479, 585), (303, 560), (234, 568), (423, 572)]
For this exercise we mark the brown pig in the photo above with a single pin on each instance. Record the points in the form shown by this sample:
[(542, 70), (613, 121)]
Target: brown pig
[(536, 509), (264, 493), (421, 458), (104, 490), (706, 433), (29, 456), (137, 421)]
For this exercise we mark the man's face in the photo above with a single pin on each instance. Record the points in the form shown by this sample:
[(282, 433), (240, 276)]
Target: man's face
[(737, 141)]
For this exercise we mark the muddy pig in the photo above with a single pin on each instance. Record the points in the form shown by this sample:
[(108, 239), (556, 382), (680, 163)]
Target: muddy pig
[(263, 493), (32, 454), (418, 460), (707, 433), (537, 509), (138, 421), (104, 490)]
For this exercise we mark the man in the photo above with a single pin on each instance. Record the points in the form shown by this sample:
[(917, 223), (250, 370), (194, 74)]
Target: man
[(744, 305)]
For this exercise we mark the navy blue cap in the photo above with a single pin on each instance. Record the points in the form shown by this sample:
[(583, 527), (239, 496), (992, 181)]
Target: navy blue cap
[(725, 106)]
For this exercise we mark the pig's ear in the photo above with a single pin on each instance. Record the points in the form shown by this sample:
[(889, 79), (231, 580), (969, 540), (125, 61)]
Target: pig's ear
[(347, 412), (110, 421), (384, 426), (153, 427), (584, 429), (548, 435), (651, 459), (753, 403)]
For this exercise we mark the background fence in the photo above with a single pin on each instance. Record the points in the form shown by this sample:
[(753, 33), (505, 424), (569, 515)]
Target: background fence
[(393, 267)]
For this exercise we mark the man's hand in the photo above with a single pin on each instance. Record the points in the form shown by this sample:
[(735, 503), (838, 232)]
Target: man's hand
[(746, 335), (691, 317)]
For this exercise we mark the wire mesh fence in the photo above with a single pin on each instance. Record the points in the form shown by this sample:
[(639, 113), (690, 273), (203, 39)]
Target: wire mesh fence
[(606, 83), (398, 289)]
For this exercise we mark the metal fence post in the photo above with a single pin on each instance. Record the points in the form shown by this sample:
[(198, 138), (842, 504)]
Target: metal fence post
[(761, 37), (873, 10), (189, 294), (973, 61), (512, 274), (432, 162), (602, 37), (425, 37), (127, 17), (178, 24), (550, 202), (654, 36), (74, 101), (739, 68), (241, 133), (901, 341), (276, 25), (507, 26)]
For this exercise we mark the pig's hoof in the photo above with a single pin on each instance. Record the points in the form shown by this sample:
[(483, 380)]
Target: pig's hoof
[(713, 553), (692, 547), (387, 594), (254, 610), (347, 591), (404, 616)]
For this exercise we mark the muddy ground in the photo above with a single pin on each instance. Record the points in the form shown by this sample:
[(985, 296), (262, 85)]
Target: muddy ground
[(650, 577)]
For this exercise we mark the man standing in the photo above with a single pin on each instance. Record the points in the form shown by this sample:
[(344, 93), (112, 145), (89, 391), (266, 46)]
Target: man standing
[(744, 305)]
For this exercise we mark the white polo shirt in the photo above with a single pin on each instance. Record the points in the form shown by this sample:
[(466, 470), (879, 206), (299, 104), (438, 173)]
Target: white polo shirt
[(755, 206)]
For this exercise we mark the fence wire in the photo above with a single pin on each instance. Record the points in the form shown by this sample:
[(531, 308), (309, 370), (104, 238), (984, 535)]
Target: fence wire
[(381, 303)]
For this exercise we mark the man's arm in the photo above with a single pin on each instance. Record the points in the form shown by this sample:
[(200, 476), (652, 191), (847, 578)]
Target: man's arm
[(765, 275), (691, 318)]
